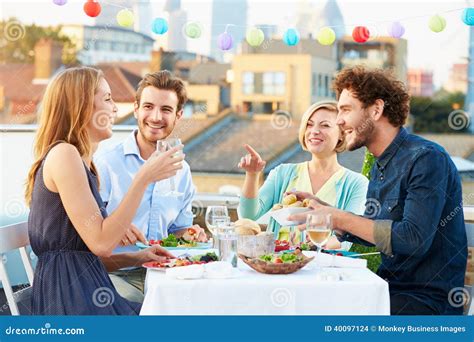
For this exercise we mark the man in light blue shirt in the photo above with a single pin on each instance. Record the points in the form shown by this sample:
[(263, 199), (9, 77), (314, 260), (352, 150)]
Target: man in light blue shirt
[(159, 105)]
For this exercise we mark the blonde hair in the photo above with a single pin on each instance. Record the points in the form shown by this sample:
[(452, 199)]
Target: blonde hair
[(66, 110), (329, 105)]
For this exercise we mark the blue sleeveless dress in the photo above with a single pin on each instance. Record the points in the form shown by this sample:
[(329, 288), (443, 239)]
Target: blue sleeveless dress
[(69, 279)]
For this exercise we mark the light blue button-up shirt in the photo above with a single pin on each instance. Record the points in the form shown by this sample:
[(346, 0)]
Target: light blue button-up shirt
[(158, 214)]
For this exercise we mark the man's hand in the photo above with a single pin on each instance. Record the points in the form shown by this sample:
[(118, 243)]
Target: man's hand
[(194, 233), (317, 208), (132, 235)]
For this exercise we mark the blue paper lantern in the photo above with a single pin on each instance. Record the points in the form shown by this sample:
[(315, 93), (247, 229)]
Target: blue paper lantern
[(291, 37), (225, 41), (159, 26), (468, 16)]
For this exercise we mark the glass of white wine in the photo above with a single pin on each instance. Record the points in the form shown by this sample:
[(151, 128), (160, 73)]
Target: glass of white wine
[(165, 145), (216, 214), (319, 229)]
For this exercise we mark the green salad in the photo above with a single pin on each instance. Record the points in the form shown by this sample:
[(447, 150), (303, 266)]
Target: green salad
[(173, 241), (285, 258)]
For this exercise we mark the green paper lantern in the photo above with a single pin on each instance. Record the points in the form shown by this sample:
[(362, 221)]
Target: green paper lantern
[(125, 18), (193, 30), (326, 36), (437, 23), (255, 37)]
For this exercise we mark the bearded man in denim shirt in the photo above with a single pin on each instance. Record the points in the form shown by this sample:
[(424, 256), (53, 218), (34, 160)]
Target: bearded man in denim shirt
[(414, 214)]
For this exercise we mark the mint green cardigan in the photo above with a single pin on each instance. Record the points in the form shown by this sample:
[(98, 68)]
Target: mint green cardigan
[(351, 192)]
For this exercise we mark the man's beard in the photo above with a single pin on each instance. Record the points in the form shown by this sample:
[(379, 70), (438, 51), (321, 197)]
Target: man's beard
[(363, 133), (168, 131)]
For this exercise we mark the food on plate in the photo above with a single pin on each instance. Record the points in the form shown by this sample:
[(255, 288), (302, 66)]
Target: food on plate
[(184, 261), (247, 227), (291, 201), (285, 258), (277, 206), (275, 263), (187, 240), (281, 245), (190, 234), (208, 257)]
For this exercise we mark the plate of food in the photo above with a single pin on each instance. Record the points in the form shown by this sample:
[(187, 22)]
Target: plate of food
[(181, 261), (278, 263), (187, 241), (288, 206)]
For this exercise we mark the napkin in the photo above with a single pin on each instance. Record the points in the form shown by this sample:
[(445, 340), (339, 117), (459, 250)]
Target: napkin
[(186, 272), (219, 270), (281, 216), (328, 260)]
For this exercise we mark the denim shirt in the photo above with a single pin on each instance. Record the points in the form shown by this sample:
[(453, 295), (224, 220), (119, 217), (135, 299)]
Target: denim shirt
[(415, 198)]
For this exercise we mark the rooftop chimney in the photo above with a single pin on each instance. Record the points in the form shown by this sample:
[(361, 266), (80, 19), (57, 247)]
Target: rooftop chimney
[(156, 58), (47, 59)]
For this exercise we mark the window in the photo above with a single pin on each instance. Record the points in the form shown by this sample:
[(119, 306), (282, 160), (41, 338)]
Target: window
[(268, 83), (326, 85), (314, 85), (274, 83), (248, 83), (320, 85)]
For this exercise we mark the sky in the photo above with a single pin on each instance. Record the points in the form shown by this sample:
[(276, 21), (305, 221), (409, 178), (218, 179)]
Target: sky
[(432, 51)]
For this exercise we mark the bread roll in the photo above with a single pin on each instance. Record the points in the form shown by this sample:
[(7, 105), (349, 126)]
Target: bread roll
[(244, 231), (247, 223), (296, 204), (289, 199), (277, 206)]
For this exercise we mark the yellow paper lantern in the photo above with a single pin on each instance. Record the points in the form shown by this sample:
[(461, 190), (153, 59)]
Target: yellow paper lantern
[(437, 23), (326, 36), (125, 18), (255, 37)]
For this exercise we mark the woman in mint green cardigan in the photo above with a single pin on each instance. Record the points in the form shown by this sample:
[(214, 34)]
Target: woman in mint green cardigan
[(322, 176)]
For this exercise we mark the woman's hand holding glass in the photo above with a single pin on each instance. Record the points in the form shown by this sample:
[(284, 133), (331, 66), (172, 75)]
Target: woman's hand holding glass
[(162, 165)]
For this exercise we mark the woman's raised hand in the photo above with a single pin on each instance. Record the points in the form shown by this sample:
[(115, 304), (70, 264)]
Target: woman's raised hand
[(252, 162)]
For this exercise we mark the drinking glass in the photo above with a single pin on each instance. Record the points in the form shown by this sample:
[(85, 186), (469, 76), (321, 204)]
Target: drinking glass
[(214, 215), (319, 229), (165, 145)]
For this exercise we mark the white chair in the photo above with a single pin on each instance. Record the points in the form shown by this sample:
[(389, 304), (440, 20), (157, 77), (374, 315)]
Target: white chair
[(11, 238)]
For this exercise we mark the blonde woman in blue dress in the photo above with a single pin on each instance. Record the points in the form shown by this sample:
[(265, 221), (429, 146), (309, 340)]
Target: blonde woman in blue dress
[(322, 176)]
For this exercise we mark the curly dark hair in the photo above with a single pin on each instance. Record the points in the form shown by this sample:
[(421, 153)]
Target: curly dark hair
[(369, 85)]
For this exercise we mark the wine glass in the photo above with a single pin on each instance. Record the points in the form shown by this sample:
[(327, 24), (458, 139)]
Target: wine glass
[(165, 145), (319, 229), (216, 214)]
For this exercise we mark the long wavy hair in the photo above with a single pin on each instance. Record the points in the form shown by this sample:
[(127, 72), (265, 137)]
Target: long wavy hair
[(66, 110)]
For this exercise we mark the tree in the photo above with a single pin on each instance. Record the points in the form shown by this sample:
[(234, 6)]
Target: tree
[(17, 42), (438, 114)]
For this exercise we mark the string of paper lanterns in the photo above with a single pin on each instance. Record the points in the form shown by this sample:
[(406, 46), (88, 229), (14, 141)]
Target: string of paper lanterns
[(255, 36)]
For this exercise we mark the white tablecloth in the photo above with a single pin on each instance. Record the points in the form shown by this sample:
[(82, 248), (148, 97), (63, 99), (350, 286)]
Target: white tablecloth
[(251, 293)]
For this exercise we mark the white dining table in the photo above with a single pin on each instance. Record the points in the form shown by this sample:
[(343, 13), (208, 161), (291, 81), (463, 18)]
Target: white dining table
[(310, 291)]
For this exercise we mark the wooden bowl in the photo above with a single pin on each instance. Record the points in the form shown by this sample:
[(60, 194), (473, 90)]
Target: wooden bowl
[(271, 268)]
